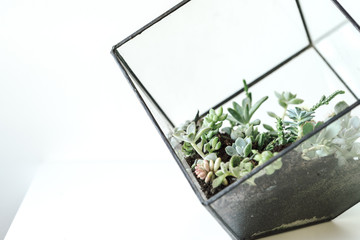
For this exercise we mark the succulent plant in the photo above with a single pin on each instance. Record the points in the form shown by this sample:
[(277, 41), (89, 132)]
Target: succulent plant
[(299, 117), (239, 167), (205, 169), (266, 156), (282, 137), (280, 131), (191, 136), (252, 148), (285, 99), (242, 131), (182, 127), (241, 115), (339, 138), (242, 147), (236, 167), (213, 145), (214, 120), (263, 139), (187, 149)]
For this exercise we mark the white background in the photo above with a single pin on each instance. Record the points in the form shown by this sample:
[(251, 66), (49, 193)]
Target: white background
[(67, 117)]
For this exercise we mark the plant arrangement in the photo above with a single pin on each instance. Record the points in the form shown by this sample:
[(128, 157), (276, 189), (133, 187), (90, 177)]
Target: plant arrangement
[(219, 155)]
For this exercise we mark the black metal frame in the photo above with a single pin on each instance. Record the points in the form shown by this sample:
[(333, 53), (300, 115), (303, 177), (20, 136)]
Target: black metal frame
[(128, 73)]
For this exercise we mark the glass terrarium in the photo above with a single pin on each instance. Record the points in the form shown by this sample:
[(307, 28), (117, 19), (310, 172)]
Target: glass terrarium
[(194, 58)]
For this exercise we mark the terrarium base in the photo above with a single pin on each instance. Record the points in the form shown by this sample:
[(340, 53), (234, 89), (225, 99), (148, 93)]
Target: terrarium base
[(301, 193)]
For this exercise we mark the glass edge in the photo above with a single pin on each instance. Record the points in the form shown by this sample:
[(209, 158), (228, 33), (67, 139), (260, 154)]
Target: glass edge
[(151, 23), (347, 15), (119, 60)]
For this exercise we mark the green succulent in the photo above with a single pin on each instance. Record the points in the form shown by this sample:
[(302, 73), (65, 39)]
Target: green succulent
[(241, 115), (214, 120), (236, 167), (282, 137), (221, 175), (263, 139), (239, 167), (205, 169), (299, 117), (252, 148), (191, 136), (265, 156), (187, 149), (242, 131), (213, 145), (285, 99), (339, 138), (241, 147)]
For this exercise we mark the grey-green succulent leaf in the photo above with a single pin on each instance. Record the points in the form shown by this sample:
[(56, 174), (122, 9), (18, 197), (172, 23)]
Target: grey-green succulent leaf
[(266, 156), (255, 122), (242, 114), (307, 128), (340, 106), (269, 128), (182, 136), (273, 115), (241, 147), (231, 151), (219, 180), (226, 130), (236, 115), (239, 167), (257, 105), (212, 145), (191, 129), (211, 156), (247, 149)]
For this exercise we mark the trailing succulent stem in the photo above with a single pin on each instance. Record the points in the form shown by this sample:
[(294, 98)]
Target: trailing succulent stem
[(282, 137), (280, 131), (325, 100)]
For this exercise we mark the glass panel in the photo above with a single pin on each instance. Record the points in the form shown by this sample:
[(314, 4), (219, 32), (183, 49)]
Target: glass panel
[(352, 7), (316, 182), (308, 76), (337, 40), (321, 17), (183, 57)]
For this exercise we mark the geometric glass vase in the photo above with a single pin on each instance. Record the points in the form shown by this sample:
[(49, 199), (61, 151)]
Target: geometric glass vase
[(195, 56)]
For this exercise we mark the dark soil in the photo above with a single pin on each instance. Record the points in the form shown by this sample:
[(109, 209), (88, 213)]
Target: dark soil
[(225, 140)]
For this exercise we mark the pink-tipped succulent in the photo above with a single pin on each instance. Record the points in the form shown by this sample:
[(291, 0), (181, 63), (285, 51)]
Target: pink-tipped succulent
[(206, 169)]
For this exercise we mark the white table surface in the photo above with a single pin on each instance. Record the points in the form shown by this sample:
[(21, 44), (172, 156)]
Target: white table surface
[(115, 200)]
